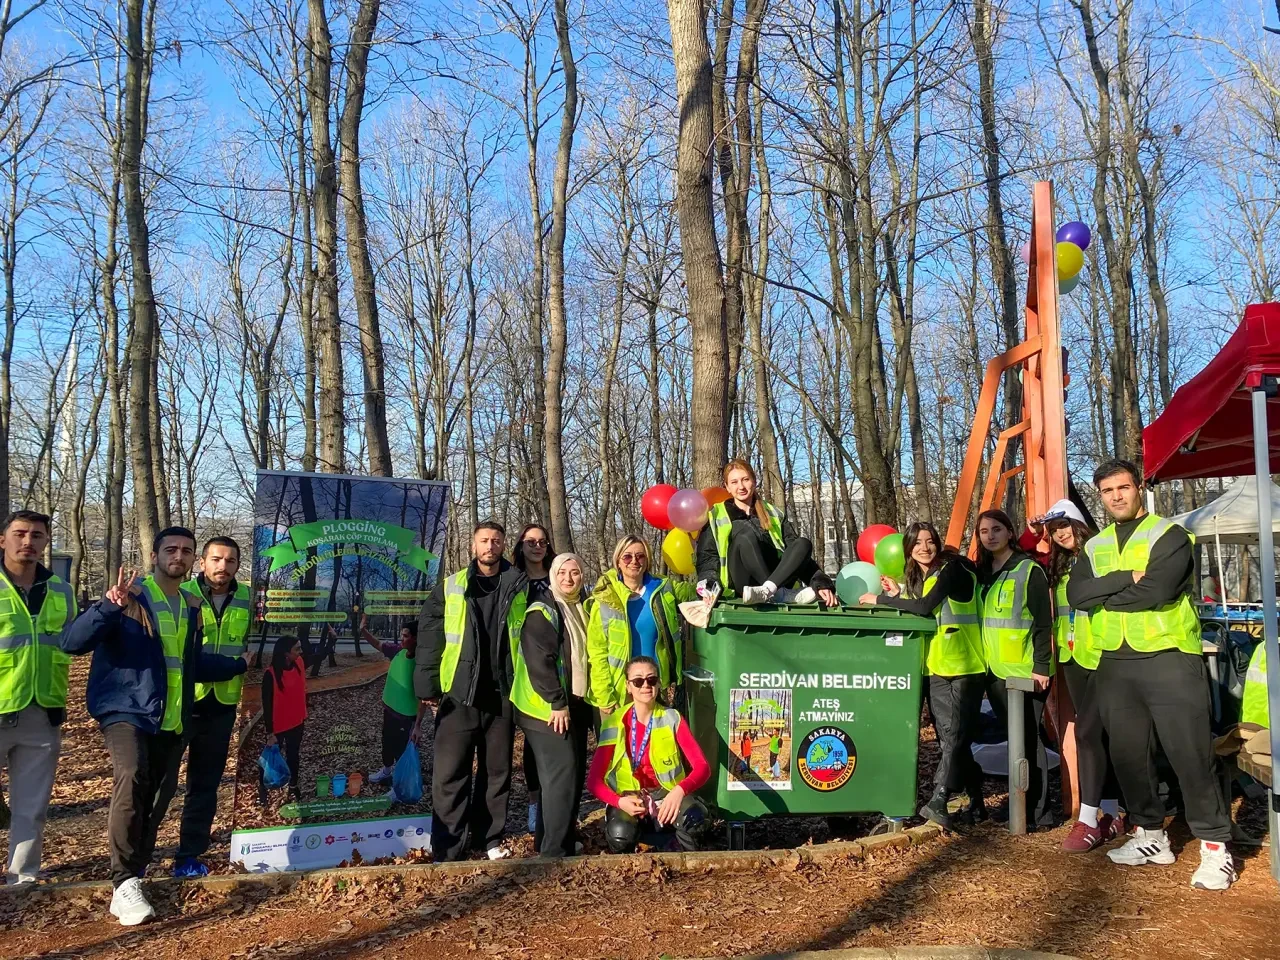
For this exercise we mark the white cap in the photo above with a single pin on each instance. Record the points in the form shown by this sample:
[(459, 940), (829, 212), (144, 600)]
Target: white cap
[(1065, 510)]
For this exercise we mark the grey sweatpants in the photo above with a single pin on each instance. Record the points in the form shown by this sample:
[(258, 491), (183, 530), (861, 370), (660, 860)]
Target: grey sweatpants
[(29, 752)]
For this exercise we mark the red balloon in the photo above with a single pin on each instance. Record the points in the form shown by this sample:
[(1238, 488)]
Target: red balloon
[(869, 538), (653, 505), (715, 495)]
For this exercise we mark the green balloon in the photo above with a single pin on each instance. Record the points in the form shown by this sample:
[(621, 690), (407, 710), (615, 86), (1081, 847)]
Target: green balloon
[(891, 556)]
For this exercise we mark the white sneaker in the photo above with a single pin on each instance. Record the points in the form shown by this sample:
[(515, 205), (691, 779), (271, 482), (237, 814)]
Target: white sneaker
[(754, 595), (1217, 870), (381, 775), (1145, 846), (129, 905), (498, 853), (806, 595)]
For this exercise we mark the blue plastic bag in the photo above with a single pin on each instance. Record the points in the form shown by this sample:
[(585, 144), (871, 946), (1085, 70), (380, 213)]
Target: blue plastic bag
[(275, 772), (406, 777)]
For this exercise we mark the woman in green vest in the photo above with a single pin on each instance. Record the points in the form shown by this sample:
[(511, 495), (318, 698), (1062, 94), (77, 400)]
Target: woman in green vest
[(748, 549), (401, 709), (1099, 819), (1017, 637), (941, 583), (633, 614)]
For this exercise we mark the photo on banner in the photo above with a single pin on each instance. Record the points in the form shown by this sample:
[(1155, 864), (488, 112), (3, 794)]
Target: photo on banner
[(760, 739), (340, 564)]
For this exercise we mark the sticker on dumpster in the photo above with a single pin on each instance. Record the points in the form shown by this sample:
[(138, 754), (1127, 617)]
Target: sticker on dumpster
[(826, 758), (759, 739), (893, 639)]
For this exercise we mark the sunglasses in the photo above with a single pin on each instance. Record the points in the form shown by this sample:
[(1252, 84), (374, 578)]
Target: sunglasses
[(536, 543), (632, 558), (641, 682)]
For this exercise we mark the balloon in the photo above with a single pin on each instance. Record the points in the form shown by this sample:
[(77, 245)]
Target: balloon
[(715, 495), (891, 557), (654, 505), (677, 550), (1066, 286), (1024, 252), (869, 538), (687, 510), (1070, 260), (856, 579), (1074, 232)]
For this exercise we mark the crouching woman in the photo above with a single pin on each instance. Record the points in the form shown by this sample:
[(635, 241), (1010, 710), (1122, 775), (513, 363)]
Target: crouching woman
[(647, 768)]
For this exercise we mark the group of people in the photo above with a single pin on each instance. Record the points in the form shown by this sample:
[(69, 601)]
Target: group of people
[(526, 643)]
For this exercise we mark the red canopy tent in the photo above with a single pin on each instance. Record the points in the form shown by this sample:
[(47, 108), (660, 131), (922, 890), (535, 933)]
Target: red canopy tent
[(1225, 422)]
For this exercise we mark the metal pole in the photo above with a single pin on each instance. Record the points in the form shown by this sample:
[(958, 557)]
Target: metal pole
[(1019, 771), (1267, 565)]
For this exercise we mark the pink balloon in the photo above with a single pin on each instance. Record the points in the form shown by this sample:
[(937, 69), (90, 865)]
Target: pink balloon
[(687, 510), (1024, 252)]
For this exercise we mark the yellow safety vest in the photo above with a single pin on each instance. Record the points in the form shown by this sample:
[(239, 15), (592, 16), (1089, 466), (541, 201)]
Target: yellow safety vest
[(1007, 622), (1255, 708), (32, 663), (721, 525), (1174, 626), (955, 650), (455, 623), (224, 636), (526, 699), (173, 638), (664, 752), (1071, 631), (609, 639)]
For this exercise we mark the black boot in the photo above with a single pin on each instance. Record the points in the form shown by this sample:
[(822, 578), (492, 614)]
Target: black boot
[(976, 812), (936, 810)]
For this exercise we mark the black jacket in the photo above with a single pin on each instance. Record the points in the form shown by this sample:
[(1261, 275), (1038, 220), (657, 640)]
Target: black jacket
[(955, 582), (709, 557), (540, 644), (466, 676)]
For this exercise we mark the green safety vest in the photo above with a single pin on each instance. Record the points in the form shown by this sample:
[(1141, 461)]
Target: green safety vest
[(223, 635), (455, 624), (173, 638), (955, 650), (720, 527), (1255, 708), (1007, 622), (1071, 631), (1174, 626), (609, 639), (398, 693), (664, 752), (33, 665), (523, 696)]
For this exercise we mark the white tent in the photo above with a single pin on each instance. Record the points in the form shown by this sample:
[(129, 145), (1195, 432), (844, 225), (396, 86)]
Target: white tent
[(1233, 517)]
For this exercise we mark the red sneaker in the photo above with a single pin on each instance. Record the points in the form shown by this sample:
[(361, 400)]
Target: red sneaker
[(1082, 838), (1113, 828)]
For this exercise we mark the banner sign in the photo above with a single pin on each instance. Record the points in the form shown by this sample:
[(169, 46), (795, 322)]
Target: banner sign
[(321, 845)]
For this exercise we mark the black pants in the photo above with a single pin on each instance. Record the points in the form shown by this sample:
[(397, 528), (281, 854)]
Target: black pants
[(1093, 750), (554, 834), (583, 718), (1164, 696), (1038, 812), (529, 764), (752, 560), (624, 832), (396, 728), (462, 810), (144, 772), (208, 742), (290, 743), (956, 705)]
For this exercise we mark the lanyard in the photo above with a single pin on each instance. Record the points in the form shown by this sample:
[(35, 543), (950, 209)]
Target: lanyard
[(637, 755)]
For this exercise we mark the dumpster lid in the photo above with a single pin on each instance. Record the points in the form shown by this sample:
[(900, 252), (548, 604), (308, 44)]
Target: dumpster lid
[(795, 616)]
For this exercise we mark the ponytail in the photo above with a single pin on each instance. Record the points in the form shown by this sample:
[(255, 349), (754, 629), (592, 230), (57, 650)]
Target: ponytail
[(761, 513)]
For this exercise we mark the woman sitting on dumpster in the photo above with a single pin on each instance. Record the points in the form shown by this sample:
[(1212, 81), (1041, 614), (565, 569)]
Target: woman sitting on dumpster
[(1078, 660), (646, 769), (750, 550), (633, 614), (942, 583), (1017, 637)]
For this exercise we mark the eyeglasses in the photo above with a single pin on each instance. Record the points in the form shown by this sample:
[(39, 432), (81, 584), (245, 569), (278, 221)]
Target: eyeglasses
[(641, 682), (536, 543), (632, 558)]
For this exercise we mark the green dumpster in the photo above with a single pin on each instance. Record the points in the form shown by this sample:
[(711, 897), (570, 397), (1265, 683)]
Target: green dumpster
[(808, 711)]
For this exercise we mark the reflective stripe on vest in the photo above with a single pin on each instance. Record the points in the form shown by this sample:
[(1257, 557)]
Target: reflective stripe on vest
[(955, 650), (525, 698), (173, 637), (225, 636), (664, 752), (1175, 626), (455, 626), (1007, 623), (1255, 708), (721, 526), (32, 663)]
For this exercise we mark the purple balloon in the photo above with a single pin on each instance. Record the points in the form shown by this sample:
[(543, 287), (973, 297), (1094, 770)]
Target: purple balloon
[(688, 510), (1024, 252), (1074, 232)]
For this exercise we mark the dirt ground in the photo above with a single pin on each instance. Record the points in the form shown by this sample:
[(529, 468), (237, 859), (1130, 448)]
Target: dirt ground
[(980, 887)]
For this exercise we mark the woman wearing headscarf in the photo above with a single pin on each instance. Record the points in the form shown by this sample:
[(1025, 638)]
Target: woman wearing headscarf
[(567, 588)]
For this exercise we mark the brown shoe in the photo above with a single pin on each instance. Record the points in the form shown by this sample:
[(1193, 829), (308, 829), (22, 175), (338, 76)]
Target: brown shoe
[(1083, 838)]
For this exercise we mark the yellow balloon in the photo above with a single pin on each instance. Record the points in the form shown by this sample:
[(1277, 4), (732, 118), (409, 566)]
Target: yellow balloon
[(1070, 260), (677, 550)]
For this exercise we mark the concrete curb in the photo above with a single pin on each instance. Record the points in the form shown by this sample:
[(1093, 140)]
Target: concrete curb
[(914, 953), (711, 860)]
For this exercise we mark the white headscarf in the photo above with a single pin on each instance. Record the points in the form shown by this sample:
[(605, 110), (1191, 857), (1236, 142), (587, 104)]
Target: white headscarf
[(574, 617)]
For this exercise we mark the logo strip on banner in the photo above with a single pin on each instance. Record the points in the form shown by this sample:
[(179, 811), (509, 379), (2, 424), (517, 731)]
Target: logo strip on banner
[(320, 845)]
